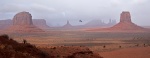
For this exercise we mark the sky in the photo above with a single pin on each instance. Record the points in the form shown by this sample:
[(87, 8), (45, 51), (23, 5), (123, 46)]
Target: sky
[(57, 12)]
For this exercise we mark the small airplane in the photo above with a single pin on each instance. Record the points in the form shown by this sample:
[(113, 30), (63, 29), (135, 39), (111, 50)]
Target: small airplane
[(80, 20)]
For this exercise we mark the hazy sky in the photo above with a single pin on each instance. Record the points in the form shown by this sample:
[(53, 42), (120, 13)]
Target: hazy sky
[(56, 12)]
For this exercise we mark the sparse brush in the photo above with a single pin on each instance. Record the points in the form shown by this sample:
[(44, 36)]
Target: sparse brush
[(4, 36), (104, 46), (119, 46)]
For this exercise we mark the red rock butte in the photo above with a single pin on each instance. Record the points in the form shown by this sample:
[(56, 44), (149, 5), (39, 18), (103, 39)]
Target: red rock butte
[(22, 18), (22, 22), (125, 25)]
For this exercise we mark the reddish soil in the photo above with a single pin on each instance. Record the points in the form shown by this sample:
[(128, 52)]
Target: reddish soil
[(71, 52), (136, 52)]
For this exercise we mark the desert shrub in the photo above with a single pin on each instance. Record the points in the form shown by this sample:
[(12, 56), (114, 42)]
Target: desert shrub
[(58, 56), (144, 45), (84, 54), (104, 46), (119, 46), (24, 41), (137, 45)]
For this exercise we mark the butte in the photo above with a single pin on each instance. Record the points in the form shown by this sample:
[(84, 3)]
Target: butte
[(125, 25), (22, 22)]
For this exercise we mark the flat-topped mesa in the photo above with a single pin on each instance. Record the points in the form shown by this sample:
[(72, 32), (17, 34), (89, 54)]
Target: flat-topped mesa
[(22, 18), (22, 22), (125, 16)]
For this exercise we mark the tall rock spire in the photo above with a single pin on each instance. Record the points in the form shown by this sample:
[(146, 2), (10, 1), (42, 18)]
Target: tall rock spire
[(68, 24), (125, 16)]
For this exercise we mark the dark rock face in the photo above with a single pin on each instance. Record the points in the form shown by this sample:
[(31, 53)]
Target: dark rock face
[(22, 18)]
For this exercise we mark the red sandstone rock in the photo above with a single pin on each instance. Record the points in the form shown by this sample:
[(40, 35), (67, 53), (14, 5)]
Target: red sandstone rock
[(125, 17), (126, 23), (22, 18), (22, 22)]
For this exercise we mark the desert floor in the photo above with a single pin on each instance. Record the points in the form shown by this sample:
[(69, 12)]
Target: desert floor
[(107, 44), (136, 52)]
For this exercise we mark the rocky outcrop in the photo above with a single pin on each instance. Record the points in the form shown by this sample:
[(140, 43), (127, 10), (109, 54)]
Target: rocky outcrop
[(41, 23), (125, 25), (22, 22)]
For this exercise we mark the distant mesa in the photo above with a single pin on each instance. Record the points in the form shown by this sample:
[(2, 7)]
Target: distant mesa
[(41, 23), (22, 22), (125, 25), (99, 23), (4, 24), (68, 25)]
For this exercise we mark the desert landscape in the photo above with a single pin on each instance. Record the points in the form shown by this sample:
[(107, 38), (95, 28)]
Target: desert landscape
[(78, 29), (107, 44)]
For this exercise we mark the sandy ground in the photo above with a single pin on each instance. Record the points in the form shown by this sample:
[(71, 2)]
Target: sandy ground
[(136, 52), (94, 41)]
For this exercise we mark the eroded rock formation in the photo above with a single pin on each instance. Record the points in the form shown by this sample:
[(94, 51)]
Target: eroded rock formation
[(22, 22), (22, 18), (68, 25), (126, 23)]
